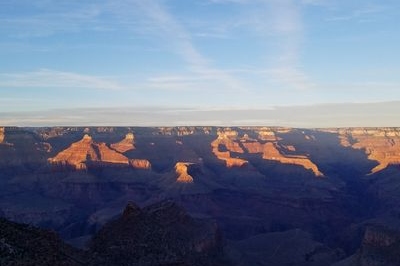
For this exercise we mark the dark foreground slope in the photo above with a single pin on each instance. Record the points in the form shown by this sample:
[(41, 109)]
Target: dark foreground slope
[(27, 245), (160, 234)]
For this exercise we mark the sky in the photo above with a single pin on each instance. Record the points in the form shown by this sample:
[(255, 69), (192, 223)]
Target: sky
[(300, 63)]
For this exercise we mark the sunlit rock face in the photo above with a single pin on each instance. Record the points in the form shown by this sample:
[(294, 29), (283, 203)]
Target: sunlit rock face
[(380, 144), (86, 150), (140, 164), (267, 144), (1, 134), (127, 144), (181, 170), (226, 140), (271, 152)]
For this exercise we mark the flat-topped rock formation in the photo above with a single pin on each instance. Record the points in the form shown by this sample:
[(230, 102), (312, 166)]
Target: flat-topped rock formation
[(381, 145), (127, 144), (86, 150)]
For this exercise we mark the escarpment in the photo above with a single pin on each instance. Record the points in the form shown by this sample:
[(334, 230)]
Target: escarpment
[(127, 144), (380, 144), (267, 144), (85, 151)]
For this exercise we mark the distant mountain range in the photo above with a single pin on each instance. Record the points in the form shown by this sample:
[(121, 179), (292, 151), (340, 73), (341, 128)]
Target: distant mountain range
[(265, 195)]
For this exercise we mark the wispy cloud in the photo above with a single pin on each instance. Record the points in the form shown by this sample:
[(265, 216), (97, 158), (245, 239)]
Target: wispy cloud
[(360, 13), (51, 20), (293, 76), (281, 21), (46, 78), (170, 29)]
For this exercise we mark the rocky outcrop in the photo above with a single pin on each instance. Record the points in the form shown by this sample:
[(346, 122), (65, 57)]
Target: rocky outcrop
[(160, 234), (225, 142), (181, 170), (127, 144), (271, 152), (266, 134), (228, 142), (85, 151), (140, 164), (1, 134), (381, 144)]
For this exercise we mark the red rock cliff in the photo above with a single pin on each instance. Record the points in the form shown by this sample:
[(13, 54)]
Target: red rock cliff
[(127, 144), (140, 164), (181, 170), (226, 140), (229, 141), (1, 134), (86, 150), (381, 145)]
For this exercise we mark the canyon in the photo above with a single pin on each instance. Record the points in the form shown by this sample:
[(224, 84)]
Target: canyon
[(333, 191)]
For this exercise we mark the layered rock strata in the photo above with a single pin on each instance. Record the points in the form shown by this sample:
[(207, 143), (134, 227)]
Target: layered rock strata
[(127, 144), (86, 150), (381, 144), (267, 144)]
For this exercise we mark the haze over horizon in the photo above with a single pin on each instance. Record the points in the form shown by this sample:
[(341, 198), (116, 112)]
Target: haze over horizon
[(299, 63)]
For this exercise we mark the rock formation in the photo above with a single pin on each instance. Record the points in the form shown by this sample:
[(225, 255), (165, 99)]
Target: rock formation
[(381, 145), (228, 143), (87, 151), (127, 144), (1, 134), (270, 152), (160, 234), (225, 142), (140, 164), (181, 170), (266, 134)]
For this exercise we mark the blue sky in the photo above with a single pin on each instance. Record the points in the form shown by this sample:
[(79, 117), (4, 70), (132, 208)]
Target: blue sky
[(67, 57)]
